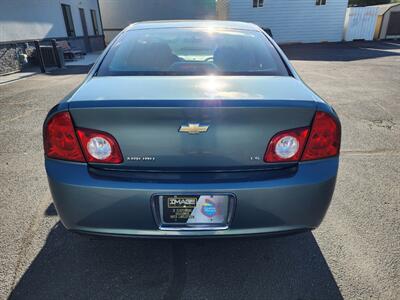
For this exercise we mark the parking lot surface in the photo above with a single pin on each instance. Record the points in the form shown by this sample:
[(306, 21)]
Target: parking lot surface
[(354, 254)]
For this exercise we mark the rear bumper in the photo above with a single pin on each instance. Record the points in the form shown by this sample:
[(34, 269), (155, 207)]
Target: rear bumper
[(96, 205)]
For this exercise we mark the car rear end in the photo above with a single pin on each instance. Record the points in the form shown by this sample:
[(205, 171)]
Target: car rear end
[(184, 156)]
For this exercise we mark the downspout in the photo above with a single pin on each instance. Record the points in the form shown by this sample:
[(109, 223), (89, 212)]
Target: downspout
[(101, 24)]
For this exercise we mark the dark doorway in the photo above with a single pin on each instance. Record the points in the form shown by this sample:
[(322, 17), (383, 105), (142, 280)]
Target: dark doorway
[(394, 24), (85, 31)]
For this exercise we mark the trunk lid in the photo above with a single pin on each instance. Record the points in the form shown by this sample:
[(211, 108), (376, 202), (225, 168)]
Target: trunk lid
[(145, 114)]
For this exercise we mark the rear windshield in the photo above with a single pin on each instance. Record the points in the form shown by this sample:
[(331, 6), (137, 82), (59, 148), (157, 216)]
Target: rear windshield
[(192, 51)]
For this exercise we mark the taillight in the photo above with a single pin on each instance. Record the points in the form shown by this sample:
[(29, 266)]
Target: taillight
[(99, 147), (324, 139), (60, 141), (286, 146)]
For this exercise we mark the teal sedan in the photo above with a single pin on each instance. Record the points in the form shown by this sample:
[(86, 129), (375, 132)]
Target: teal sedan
[(192, 129)]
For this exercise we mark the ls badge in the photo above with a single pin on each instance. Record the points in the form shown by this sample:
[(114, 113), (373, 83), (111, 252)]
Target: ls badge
[(193, 128)]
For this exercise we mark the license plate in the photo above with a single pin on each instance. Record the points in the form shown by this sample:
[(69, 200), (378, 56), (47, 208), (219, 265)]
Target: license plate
[(194, 209)]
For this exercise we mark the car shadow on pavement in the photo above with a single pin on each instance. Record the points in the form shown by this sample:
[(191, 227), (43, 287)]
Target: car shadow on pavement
[(50, 210), (71, 266), (349, 51), (69, 70)]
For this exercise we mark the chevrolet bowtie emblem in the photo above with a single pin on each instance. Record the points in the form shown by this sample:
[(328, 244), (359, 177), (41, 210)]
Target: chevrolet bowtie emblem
[(193, 128)]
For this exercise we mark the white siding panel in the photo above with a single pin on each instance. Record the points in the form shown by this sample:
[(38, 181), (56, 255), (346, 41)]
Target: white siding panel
[(294, 20), (360, 23), (39, 19), (30, 19)]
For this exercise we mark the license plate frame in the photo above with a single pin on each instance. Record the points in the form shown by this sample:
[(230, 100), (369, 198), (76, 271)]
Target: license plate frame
[(219, 207)]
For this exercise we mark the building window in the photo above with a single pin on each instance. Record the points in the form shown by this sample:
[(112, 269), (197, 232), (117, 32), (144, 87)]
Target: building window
[(69, 24), (320, 2), (258, 3), (94, 22)]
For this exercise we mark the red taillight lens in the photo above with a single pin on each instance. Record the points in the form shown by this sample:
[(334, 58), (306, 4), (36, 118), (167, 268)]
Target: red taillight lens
[(60, 141), (99, 147), (286, 146), (322, 142), (324, 139)]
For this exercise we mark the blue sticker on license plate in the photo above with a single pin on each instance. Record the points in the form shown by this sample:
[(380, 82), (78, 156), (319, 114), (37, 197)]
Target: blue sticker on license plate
[(201, 209)]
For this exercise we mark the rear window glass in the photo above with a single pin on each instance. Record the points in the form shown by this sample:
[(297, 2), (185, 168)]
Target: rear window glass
[(192, 51)]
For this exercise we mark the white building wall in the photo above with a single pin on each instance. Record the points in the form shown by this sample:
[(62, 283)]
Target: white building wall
[(39, 19), (360, 23), (87, 5), (294, 20)]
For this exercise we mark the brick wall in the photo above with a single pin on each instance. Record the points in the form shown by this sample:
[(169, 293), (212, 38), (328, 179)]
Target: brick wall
[(9, 58), (9, 53)]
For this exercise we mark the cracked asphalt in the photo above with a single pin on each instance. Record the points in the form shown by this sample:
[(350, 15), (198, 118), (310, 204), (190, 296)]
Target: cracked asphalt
[(354, 254)]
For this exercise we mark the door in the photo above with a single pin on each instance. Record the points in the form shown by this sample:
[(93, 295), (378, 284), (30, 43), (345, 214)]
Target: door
[(394, 24), (85, 31), (360, 23)]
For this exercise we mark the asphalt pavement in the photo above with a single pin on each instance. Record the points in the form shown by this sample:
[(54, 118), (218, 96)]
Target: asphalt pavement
[(354, 254)]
